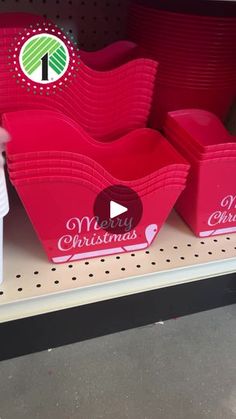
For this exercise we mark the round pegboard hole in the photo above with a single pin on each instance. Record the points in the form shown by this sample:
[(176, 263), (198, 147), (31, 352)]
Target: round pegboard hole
[(209, 253), (86, 263), (122, 269), (90, 275), (133, 255), (102, 260), (56, 282), (38, 285), (147, 252), (1, 292), (168, 260), (138, 266), (20, 289), (36, 272), (202, 242), (70, 266), (189, 245), (74, 278), (107, 272), (117, 257), (161, 250), (182, 258), (227, 238), (18, 276), (223, 250), (215, 240), (175, 247), (53, 269), (154, 263), (196, 255)]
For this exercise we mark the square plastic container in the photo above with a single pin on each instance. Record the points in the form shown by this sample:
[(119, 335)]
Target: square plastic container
[(59, 170), (208, 204)]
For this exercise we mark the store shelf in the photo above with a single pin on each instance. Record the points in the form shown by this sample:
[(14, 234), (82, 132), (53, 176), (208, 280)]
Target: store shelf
[(44, 305), (33, 286)]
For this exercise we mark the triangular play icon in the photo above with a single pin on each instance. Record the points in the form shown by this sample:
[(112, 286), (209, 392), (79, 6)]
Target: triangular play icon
[(116, 209)]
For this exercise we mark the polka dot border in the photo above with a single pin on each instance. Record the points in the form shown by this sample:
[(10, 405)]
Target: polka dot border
[(21, 78)]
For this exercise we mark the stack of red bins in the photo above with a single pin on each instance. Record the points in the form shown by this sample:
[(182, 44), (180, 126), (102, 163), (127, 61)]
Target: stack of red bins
[(196, 51), (208, 204), (58, 171), (108, 92)]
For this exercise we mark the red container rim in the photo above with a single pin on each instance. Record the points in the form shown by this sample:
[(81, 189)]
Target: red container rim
[(217, 8), (172, 33)]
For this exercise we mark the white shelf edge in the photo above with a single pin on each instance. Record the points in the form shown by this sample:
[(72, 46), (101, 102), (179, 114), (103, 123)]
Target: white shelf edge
[(115, 289)]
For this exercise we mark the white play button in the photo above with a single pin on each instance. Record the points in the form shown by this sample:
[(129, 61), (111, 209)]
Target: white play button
[(121, 202), (116, 209)]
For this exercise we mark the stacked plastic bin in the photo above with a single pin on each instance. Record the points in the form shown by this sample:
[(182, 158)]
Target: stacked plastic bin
[(196, 51), (58, 171), (108, 92), (208, 204)]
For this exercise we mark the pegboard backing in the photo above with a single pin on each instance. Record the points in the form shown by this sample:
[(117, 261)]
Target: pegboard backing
[(94, 24)]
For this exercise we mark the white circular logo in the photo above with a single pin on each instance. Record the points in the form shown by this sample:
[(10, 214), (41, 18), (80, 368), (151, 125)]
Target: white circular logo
[(44, 58)]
